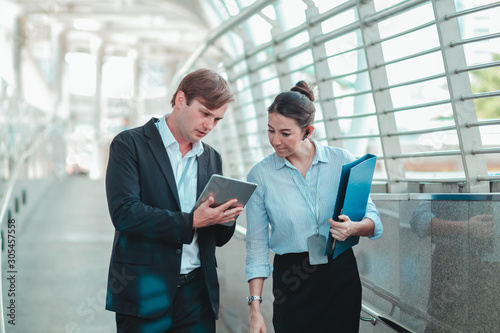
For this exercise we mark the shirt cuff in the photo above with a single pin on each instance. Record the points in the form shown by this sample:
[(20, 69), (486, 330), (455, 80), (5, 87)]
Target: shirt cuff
[(258, 271), (379, 229)]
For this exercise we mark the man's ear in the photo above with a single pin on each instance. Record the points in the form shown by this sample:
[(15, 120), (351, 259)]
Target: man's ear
[(180, 99)]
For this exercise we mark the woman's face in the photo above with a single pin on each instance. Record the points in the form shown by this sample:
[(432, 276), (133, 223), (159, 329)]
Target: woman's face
[(284, 134)]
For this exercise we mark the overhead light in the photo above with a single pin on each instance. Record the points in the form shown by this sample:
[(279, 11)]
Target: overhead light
[(87, 24)]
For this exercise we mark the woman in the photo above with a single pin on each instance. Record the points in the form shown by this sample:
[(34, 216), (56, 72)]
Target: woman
[(311, 294)]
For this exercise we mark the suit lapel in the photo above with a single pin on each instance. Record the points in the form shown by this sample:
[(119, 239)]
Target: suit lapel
[(202, 172), (158, 149)]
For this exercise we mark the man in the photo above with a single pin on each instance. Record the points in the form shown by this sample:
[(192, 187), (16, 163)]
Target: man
[(162, 275)]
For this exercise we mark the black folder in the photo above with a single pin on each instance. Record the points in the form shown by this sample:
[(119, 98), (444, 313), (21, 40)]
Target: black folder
[(352, 197)]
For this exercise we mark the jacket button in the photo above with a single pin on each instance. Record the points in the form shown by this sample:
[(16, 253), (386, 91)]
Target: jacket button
[(178, 251)]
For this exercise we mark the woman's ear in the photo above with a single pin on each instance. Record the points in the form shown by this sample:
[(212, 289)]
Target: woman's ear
[(309, 131)]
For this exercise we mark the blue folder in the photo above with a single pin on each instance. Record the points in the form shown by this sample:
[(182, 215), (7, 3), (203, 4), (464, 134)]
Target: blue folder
[(352, 197)]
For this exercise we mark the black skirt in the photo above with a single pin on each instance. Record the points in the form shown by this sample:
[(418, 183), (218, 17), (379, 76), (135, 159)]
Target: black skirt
[(316, 299)]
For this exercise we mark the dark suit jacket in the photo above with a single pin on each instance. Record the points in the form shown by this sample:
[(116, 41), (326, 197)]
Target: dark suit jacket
[(150, 228)]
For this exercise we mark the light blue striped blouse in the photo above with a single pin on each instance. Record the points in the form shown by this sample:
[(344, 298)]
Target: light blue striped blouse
[(277, 202)]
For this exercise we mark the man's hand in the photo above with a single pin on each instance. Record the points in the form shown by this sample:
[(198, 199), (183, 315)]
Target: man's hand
[(205, 216)]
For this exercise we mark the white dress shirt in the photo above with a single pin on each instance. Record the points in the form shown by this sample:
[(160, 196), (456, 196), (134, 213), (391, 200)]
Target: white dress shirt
[(187, 191)]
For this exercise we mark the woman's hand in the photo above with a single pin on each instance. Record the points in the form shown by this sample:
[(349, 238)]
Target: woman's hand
[(257, 323), (343, 229)]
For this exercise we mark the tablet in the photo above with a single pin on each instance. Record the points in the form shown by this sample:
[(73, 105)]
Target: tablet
[(223, 189)]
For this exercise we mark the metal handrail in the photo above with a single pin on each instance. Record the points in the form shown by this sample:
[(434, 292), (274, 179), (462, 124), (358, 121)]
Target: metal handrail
[(337, 33), (487, 178), (333, 12), (474, 39), (216, 34), (406, 32), (478, 67), (403, 133), (396, 302), (483, 123), (394, 10), (333, 55), (378, 315), (36, 142), (439, 153), (352, 116), (417, 106), (493, 150), (481, 95), (357, 93), (472, 10), (423, 131), (288, 34), (340, 76), (305, 46), (431, 180), (416, 81), (354, 25), (409, 57)]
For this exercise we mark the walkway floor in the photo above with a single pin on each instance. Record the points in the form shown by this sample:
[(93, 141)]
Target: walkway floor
[(63, 253), (63, 249)]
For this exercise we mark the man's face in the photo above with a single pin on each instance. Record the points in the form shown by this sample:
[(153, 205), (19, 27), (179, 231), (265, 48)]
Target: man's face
[(196, 121)]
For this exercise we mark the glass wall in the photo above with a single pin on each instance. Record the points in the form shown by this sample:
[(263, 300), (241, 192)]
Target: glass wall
[(413, 82)]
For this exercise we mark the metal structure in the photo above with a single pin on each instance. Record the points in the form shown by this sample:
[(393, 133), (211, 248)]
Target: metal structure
[(361, 54)]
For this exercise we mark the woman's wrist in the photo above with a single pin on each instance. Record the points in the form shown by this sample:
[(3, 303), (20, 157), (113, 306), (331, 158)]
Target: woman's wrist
[(255, 308), (365, 227)]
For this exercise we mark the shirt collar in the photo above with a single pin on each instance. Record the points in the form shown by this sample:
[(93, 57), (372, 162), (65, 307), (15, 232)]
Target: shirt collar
[(168, 138), (319, 156)]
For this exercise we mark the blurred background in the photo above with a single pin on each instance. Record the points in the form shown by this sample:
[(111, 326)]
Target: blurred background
[(415, 82)]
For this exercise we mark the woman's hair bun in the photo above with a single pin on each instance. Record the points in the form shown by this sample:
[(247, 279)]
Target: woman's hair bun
[(304, 89)]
